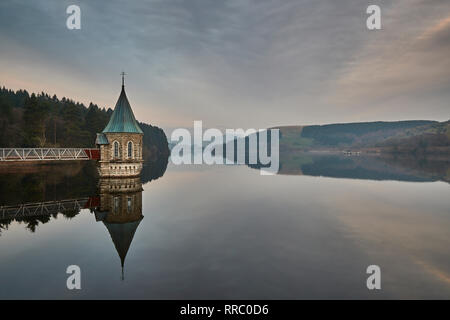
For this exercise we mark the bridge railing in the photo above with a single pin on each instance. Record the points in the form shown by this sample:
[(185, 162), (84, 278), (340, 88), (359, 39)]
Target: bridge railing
[(42, 208), (37, 154)]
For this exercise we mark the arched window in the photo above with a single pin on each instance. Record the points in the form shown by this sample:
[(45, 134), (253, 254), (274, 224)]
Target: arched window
[(130, 149), (116, 204), (116, 149), (129, 204)]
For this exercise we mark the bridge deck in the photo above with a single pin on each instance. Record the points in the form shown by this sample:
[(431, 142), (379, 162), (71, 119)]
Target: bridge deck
[(44, 154)]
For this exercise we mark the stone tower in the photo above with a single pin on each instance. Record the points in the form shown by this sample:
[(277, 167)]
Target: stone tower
[(120, 143)]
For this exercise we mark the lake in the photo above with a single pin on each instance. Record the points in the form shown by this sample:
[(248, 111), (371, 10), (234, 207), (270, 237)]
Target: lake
[(228, 232)]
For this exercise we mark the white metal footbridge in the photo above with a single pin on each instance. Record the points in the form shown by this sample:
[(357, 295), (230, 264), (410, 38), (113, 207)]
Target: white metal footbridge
[(44, 154)]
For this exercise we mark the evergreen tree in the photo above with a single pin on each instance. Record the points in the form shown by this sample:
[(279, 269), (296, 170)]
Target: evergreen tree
[(34, 117), (39, 121)]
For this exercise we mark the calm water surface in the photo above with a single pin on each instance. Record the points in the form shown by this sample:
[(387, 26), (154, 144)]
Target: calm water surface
[(224, 232)]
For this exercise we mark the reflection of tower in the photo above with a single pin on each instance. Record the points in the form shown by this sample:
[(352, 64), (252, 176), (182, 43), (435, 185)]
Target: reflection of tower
[(120, 211)]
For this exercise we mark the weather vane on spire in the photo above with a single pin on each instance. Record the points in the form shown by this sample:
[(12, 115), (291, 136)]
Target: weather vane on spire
[(123, 77)]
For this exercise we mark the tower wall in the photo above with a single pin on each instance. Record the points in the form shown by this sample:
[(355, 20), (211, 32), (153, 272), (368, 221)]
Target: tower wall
[(122, 165)]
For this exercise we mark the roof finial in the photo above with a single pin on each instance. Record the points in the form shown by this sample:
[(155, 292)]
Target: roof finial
[(123, 77), (122, 262)]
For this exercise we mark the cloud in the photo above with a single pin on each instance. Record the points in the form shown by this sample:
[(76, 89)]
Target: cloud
[(406, 67), (235, 63)]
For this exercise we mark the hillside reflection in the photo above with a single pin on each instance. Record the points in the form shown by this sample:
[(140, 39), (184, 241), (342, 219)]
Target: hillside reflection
[(369, 167)]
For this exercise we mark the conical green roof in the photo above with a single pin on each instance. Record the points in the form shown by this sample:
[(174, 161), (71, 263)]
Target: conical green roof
[(122, 119)]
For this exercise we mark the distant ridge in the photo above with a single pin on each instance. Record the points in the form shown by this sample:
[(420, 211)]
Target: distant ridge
[(413, 136)]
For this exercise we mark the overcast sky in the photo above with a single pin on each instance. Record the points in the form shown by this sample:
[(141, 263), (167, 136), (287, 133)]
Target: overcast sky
[(237, 63)]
